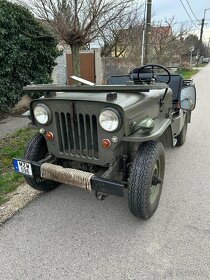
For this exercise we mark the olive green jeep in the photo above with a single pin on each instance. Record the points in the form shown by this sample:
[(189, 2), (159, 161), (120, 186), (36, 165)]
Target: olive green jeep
[(109, 139)]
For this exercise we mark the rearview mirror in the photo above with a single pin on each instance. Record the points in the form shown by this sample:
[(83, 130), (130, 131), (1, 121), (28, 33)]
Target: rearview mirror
[(188, 98)]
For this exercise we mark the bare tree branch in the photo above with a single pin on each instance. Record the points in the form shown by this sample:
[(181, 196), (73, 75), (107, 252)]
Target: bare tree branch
[(78, 22), (123, 35), (166, 41)]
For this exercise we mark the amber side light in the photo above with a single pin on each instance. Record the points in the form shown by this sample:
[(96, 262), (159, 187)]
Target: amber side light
[(49, 136), (106, 143)]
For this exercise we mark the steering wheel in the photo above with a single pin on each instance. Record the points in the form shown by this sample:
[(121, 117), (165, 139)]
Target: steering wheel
[(154, 76)]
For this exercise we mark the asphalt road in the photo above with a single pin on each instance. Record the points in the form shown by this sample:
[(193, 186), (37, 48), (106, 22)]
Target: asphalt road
[(68, 234)]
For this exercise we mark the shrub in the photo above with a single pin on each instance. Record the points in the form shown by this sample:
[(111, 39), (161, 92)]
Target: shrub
[(27, 53), (185, 66)]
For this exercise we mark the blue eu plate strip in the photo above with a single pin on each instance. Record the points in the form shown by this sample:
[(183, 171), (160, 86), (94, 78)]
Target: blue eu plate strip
[(15, 164)]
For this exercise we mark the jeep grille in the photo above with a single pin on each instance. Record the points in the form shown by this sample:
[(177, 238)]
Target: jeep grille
[(77, 134)]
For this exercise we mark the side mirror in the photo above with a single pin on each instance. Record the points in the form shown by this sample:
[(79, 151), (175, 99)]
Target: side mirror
[(188, 98)]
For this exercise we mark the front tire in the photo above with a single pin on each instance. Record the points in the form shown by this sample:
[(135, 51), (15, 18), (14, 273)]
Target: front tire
[(146, 179), (36, 150)]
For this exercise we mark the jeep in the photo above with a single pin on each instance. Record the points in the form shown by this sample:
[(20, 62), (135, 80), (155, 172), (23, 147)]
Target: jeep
[(109, 138)]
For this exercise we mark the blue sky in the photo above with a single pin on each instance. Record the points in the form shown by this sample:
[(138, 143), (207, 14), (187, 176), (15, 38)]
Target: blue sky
[(162, 9)]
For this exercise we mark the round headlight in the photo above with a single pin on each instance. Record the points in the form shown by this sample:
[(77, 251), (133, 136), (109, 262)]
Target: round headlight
[(42, 114), (109, 120)]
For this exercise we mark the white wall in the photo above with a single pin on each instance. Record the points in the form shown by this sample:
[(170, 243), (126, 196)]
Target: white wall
[(59, 72)]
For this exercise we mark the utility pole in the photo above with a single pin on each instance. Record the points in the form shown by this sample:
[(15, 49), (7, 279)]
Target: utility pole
[(148, 33), (201, 35), (143, 37), (200, 40)]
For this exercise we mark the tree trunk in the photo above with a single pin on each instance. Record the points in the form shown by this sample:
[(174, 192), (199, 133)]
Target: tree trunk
[(75, 60)]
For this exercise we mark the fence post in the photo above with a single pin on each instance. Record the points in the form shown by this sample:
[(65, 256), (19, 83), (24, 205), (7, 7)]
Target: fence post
[(98, 67)]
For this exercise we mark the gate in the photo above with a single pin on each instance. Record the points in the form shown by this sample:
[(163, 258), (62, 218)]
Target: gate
[(87, 67)]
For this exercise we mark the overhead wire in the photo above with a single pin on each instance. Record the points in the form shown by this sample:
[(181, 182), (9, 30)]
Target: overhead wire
[(189, 14), (206, 31), (192, 10)]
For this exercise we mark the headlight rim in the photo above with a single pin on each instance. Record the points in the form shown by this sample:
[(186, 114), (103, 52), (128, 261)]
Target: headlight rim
[(49, 113), (118, 115)]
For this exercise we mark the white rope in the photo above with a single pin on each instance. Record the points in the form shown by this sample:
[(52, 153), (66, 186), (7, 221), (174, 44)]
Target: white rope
[(69, 176)]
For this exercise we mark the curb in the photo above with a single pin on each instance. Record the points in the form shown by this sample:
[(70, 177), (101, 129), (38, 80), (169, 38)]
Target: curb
[(17, 200)]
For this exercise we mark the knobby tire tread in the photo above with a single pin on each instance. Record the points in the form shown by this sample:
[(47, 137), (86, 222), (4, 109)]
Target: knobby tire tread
[(140, 177), (35, 151)]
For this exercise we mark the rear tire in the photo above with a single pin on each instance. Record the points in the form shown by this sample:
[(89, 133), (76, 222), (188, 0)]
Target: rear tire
[(36, 150), (146, 179)]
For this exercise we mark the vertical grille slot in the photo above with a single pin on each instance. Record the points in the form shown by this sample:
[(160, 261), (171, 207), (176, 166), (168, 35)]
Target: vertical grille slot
[(70, 134), (64, 132), (60, 142), (90, 146), (95, 135), (77, 134), (82, 135)]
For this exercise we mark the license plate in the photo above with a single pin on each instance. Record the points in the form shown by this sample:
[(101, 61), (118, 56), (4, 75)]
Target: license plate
[(22, 167)]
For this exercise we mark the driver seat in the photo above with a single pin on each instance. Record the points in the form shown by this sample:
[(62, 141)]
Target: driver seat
[(175, 84)]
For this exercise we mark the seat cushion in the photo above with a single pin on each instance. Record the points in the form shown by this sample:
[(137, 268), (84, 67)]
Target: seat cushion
[(175, 84), (118, 80)]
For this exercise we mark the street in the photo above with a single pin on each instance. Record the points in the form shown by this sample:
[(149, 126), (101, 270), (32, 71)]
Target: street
[(69, 234)]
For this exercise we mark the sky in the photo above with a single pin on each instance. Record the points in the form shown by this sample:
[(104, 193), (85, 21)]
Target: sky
[(166, 9), (162, 9)]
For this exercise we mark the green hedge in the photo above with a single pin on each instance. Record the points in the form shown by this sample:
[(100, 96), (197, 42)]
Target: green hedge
[(27, 53)]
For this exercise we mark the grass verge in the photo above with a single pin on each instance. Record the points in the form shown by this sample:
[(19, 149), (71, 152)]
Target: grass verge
[(187, 74), (12, 146), (202, 65)]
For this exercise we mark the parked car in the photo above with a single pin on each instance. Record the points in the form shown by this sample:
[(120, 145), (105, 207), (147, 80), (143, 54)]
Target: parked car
[(205, 60), (109, 139)]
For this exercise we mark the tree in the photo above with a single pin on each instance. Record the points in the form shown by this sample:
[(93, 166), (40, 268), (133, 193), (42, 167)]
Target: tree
[(27, 52), (78, 22), (193, 40), (123, 36), (184, 46), (167, 41)]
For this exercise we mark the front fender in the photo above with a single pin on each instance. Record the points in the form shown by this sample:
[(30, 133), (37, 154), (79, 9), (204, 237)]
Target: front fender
[(160, 126)]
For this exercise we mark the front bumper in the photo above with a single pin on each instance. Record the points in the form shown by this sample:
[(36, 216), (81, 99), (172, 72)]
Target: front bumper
[(69, 176)]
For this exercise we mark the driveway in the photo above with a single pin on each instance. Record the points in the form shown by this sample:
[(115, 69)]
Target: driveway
[(11, 124)]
